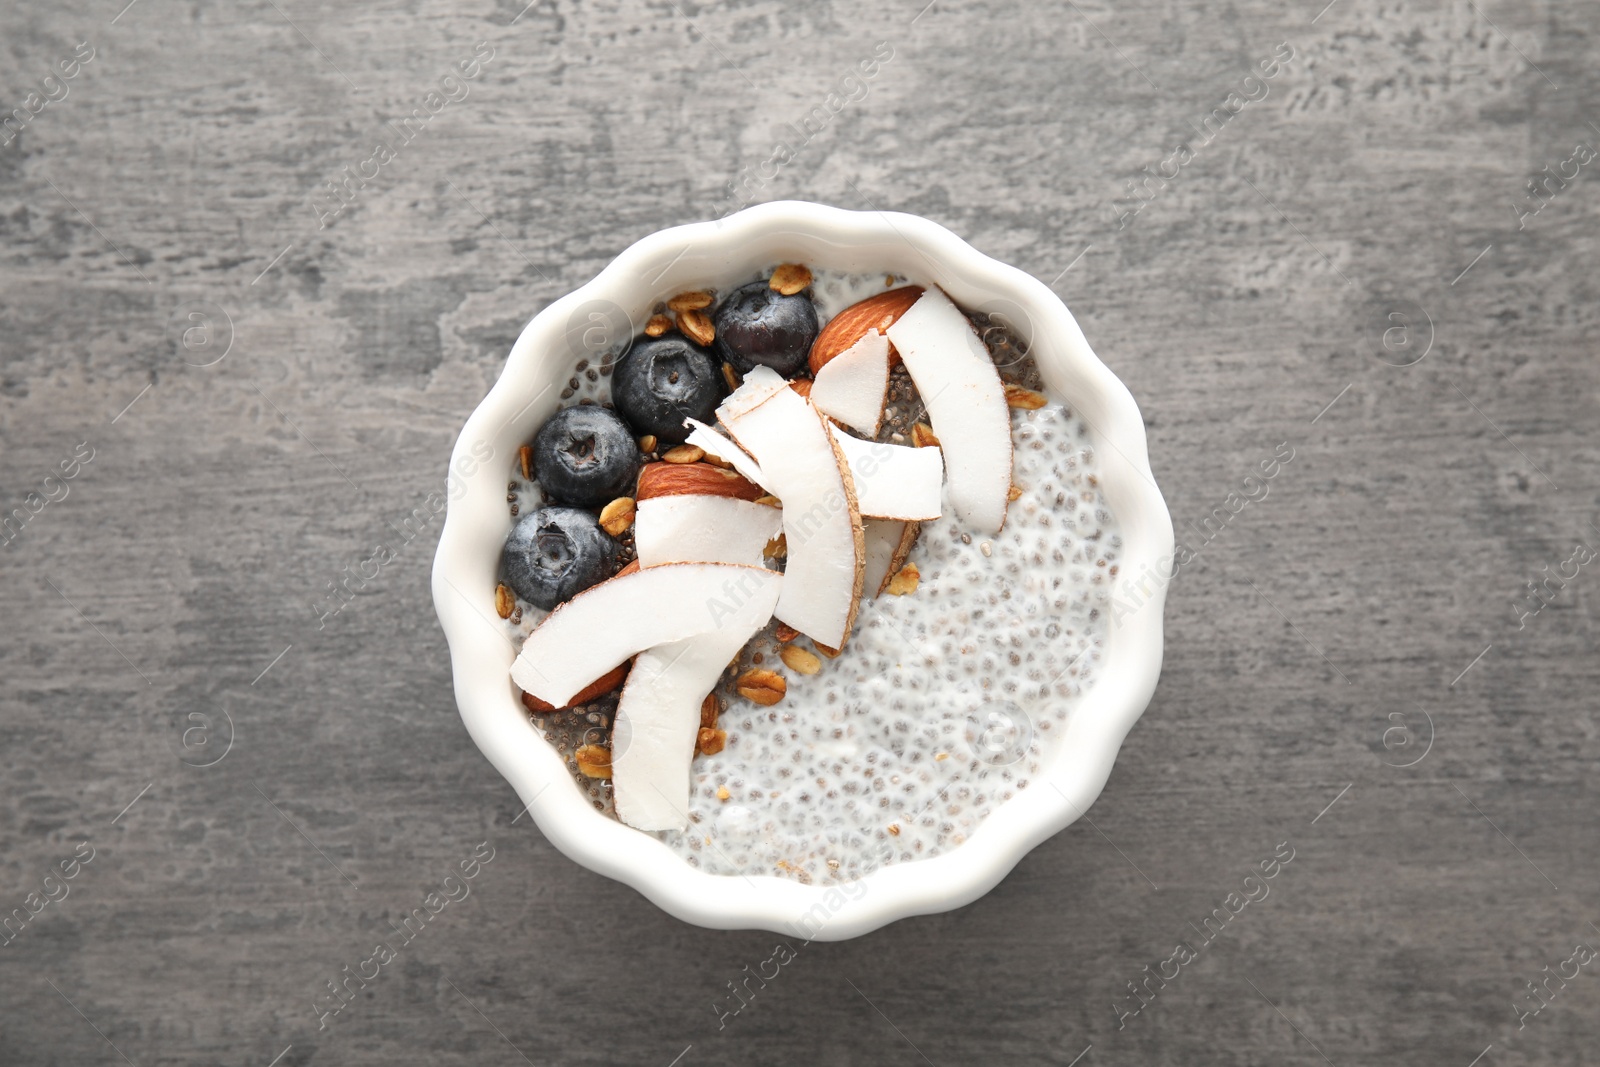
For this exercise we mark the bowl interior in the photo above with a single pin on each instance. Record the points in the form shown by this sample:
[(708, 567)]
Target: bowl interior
[(606, 312)]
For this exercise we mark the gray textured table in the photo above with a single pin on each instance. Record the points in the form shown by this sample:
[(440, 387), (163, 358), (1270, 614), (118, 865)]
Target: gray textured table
[(1343, 258)]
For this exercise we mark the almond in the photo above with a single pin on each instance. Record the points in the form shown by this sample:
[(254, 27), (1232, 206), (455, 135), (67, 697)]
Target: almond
[(922, 436), (504, 602), (697, 327), (709, 710), (1026, 399), (606, 683), (684, 454), (690, 301), (688, 479), (874, 313), (594, 761), (658, 325), (710, 741), (617, 516), (905, 582), (628, 568), (801, 386), (525, 461), (786, 633), (790, 278), (762, 686), (799, 660)]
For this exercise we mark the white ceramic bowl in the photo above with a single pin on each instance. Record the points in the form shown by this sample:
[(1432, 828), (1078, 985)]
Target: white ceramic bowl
[(720, 254)]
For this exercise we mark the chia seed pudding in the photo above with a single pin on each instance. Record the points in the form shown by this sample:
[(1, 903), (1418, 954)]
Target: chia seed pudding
[(942, 705)]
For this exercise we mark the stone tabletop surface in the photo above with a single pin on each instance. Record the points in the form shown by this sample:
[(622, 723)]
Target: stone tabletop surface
[(237, 340)]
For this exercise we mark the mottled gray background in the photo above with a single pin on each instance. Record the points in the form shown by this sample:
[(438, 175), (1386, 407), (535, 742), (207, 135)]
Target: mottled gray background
[(1372, 592)]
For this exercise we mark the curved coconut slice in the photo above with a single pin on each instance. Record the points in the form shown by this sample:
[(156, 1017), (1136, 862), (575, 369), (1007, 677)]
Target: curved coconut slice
[(758, 385), (604, 625), (713, 443), (966, 403), (893, 481), (882, 537), (805, 468), (889, 542), (851, 386), (658, 718), (700, 528)]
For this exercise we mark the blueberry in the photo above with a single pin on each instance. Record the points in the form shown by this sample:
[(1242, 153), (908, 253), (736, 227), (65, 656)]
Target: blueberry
[(660, 383), (585, 456), (555, 553), (757, 325)]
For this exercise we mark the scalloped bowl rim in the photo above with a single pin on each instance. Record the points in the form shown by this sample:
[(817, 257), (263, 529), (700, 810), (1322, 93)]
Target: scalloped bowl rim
[(720, 253)]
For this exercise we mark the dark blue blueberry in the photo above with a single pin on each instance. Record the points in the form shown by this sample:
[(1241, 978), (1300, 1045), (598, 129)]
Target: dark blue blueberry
[(756, 325), (585, 456), (555, 553), (660, 383)]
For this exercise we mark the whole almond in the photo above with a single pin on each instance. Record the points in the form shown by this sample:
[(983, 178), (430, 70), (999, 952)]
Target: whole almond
[(690, 301), (790, 278), (762, 686), (684, 454), (658, 325), (799, 660), (690, 479), (617, 516), (850, 325), (697, 327), (594, 761)]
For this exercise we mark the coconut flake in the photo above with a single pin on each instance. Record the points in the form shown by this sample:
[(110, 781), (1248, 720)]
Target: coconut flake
[(882, 537), (893, 481), (658, 718), (805, 468), (713, 443), (758, 385), (700, 528), (966, 403), (604, 625), (852, 385)]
